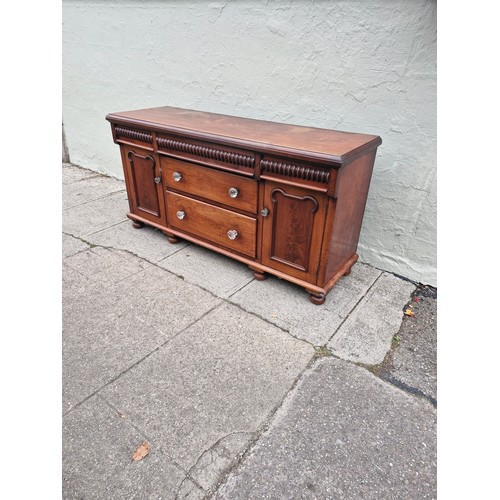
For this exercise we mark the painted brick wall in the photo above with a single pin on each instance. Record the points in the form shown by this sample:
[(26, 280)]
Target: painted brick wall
[(360, 66)]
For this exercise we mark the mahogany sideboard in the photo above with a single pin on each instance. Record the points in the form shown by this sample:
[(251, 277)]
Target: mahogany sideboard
[(284, 199)]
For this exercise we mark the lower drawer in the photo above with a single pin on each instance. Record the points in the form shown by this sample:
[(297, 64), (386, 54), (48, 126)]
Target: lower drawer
[(217, 225)]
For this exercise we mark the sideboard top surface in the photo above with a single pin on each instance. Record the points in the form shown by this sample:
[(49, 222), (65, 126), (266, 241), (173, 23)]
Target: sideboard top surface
[(267, 136)]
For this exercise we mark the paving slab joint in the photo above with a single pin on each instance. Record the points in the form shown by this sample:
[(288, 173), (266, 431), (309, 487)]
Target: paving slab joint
[(376, 370), (106, 247), (262, 429), (96, 172), (354, 307), (83, 240), (409, 389), (157, 348), (284, 330), (211, 450), (323, 352), (109, 195), (151, 442)]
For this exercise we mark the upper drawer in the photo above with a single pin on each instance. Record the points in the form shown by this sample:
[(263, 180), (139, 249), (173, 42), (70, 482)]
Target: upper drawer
[(220, 187)]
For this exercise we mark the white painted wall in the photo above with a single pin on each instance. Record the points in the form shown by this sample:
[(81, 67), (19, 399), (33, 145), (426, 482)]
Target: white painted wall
[(359, 66)]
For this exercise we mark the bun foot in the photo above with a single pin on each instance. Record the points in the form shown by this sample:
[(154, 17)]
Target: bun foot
[(137, 224), (259, 275), (317, 298), (348, 272), (173, 239)]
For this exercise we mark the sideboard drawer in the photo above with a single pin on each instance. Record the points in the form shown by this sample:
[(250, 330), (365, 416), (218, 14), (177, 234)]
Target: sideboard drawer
[(229, 189), (214, 224)]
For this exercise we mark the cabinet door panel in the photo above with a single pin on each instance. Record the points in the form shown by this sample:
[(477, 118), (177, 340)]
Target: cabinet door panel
[(293, 230), (144, 184)]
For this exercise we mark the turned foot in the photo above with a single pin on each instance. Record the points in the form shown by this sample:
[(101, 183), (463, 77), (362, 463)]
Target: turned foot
[(317, 298), (137, 224), (173, 239), (348, 272), (259, 275)]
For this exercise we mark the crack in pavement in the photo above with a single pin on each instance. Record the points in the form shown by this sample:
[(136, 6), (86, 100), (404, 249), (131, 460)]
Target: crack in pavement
[(239, 459), (261, 430), (211, 450), (128, 421)]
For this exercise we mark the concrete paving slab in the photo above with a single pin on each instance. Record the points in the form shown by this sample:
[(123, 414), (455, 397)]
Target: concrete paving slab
[(204, 394), (71, 245), (72, 173), (96, 215), (413, 360), (366, 335), (98, 445), (111, 321), (342, 433), (148, 243), (104, 266), (214, 272), (89, 189), (288, 306)]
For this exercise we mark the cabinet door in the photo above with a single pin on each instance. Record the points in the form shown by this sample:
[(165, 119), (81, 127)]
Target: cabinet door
[(293, 230), (144, 184)]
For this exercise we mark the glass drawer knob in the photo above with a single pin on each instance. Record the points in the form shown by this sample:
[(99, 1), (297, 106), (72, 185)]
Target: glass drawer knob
[(232, 234), (181, 214), (233, 192), (157, 180), (177, 176)]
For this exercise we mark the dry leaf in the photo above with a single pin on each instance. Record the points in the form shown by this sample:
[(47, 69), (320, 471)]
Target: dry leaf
[(409, 312), (141, 452)]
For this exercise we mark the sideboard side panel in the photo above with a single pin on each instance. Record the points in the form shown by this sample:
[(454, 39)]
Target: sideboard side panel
[(351, 192)]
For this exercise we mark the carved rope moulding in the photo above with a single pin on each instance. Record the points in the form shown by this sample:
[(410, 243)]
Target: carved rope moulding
[(297, 171), (206, 152), (134, 134)]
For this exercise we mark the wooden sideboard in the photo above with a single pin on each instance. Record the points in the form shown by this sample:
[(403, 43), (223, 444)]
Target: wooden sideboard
[(286, 200)]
